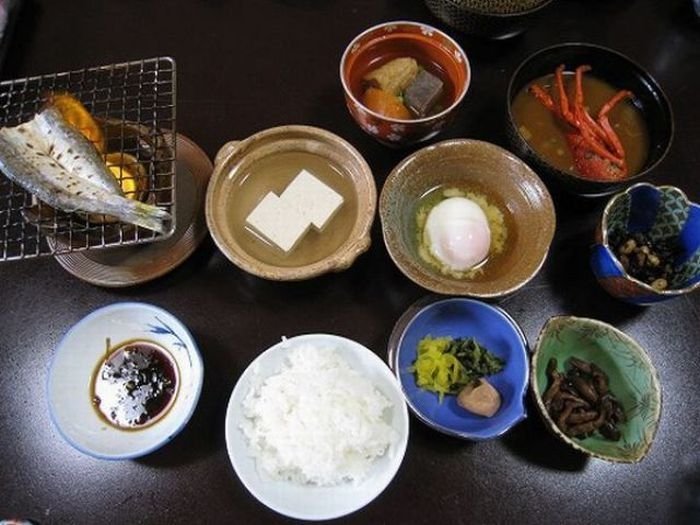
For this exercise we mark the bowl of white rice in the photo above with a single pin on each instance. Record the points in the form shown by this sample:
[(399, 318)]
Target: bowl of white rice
[(316, 427)]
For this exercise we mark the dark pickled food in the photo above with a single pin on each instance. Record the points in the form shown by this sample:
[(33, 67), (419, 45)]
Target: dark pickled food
[(647, 260), (580, 402), (135, 385)]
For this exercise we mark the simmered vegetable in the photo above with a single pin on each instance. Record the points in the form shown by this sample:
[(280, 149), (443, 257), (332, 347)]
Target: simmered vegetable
[(394, 76), (385, 103)]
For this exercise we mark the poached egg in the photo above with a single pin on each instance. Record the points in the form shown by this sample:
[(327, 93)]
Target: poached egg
[(457, 233)]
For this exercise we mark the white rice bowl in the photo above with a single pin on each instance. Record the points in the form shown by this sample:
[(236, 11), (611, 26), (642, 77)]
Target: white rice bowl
[(316, 427)]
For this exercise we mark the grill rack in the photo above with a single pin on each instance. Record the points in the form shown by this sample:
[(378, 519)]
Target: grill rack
[(134, 104)]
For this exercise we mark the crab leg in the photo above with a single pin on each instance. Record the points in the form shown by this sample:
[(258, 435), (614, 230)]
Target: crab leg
[(541, 95), (563, 98), (605, 123), (591, 132), (590, 140), (580, 111)]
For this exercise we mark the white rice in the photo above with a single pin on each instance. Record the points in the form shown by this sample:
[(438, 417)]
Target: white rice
[(317, 421)]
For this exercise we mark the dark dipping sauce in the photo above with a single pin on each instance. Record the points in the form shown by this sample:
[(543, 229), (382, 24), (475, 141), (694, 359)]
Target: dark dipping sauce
[(135, 385)]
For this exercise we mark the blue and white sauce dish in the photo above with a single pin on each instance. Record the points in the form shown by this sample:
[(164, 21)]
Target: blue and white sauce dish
[(79, 359), (661, 213), (493, 329)]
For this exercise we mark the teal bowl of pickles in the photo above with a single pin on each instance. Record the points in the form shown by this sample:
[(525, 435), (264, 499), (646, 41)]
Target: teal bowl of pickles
[(596, 389)]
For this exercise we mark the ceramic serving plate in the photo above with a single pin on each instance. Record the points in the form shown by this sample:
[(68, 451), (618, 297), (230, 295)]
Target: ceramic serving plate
[(312, 502), (80, 353), (494, 329), (132, 265)]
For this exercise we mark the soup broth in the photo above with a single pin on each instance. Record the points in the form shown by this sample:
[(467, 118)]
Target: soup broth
[(545, 131), (273, 174), (388, 49)]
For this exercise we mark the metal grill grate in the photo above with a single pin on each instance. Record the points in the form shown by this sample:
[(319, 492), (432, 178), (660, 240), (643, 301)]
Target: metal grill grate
[(134, 104)]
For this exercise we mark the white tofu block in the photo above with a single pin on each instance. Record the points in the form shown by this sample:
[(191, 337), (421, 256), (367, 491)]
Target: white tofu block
[(313, 199), (278, 222)]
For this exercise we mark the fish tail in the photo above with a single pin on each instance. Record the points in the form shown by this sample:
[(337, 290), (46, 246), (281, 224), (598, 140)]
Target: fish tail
[(148, 216), (135, 212)]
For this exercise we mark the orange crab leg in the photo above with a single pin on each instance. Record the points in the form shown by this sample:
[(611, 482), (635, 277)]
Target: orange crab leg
[(590, 130), (541, 95), (563, 98), (580, 112), (589, 139), (605, 123), (592, 142)]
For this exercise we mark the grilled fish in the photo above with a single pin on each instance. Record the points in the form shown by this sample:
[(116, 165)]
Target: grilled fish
[(50, 159)]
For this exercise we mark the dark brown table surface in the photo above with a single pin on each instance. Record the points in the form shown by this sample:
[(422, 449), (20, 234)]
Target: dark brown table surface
[(244, 66)]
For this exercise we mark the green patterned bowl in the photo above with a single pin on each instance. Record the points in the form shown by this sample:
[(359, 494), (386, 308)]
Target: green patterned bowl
[(633, 380)]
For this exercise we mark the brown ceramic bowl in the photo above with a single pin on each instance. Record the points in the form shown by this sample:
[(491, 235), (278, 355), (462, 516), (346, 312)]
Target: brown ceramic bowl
[(245, 171), (474, 166), (404, 39)]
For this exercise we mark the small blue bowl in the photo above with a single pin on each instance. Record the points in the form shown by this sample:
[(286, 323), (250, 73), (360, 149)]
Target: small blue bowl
[(491, 327), (660, 212)]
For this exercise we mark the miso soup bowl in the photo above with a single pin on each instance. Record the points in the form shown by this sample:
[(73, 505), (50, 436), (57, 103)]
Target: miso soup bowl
[(620, 72), (398, 39), (235, 166)]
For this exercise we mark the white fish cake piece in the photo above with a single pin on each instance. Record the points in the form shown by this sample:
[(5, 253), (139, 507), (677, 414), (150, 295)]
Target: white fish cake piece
[(278, 222), (312, 199)]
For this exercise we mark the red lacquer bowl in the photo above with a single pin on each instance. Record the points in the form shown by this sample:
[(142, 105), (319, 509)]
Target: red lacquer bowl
[(430, 47)]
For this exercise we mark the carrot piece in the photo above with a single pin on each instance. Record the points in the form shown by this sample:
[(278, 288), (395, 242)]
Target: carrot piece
[(385, 103)]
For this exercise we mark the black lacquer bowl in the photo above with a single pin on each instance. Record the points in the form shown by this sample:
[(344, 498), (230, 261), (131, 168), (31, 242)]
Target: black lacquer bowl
[(497, 20), (619, 71)]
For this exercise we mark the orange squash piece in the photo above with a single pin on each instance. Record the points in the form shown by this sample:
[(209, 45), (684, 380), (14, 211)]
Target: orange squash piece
[(385, 103)]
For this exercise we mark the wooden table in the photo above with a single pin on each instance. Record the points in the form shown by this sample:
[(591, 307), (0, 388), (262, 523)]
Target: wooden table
[(248, 65)]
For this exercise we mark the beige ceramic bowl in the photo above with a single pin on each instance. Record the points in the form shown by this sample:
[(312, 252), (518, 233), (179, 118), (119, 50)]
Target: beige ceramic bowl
[(485, 168), (234, 168)]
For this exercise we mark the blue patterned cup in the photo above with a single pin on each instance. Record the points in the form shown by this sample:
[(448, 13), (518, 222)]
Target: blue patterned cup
[(662, 214)]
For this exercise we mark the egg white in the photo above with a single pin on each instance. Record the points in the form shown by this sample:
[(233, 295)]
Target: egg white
[(457, 233)]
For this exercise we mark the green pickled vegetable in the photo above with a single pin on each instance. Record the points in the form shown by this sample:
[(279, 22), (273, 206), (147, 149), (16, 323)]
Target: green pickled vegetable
[(445, 365)]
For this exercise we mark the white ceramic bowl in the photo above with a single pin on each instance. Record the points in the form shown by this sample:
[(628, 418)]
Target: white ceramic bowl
[(308, 501), (82, 349)]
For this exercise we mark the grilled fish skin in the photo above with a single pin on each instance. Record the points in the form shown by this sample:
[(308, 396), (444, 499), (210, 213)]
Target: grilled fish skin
[(50, 159)]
